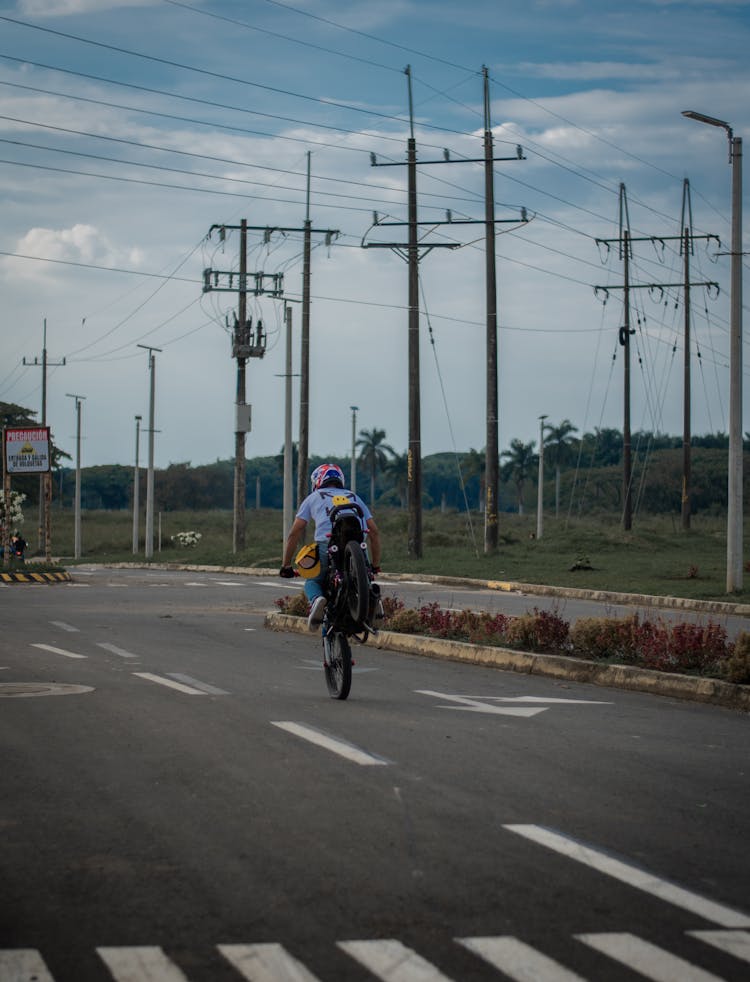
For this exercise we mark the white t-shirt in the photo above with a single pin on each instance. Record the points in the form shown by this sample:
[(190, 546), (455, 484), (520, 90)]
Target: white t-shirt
[(318, 506)]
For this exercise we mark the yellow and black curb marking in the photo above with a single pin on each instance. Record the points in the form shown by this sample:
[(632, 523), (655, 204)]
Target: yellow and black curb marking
[(34, 577)]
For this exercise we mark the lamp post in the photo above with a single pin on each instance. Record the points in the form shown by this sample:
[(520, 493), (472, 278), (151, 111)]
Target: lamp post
[(136, 483), (77, 505), (540, 482), (353, 478), (149, 544), (734, 483)]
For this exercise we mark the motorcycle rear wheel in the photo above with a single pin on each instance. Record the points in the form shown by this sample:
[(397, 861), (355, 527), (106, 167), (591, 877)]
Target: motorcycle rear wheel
[(338, 665)]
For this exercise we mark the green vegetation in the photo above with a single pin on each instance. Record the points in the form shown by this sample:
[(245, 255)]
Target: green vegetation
[(655, 558)]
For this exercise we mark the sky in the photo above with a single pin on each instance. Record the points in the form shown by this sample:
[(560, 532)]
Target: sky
[(131, 129)]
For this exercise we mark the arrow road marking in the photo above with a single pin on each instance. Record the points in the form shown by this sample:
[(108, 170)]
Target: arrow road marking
[(481, 704)]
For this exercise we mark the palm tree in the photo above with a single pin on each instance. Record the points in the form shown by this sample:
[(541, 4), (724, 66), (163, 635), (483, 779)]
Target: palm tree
[(521, 461), (558, 444), (374, 454), (473, 464), (398, 470)]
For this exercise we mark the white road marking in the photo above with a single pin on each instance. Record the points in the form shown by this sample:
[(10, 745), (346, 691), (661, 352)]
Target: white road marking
[(65, 627), (228, 583), (210, 690), (286, 585), (518, 960), (22, 964), (340, 747), (735, 943), (170, 683), (475, 706), (140, 964), (57, 651), (392, 961), (633, 876), (645, 958), (115, 650), (265, 963)]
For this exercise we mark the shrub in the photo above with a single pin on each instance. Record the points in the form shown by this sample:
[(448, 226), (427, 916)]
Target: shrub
[(185, 539), (605, 638), (736, 667), (406, 621), (296, 605), (538, 630)]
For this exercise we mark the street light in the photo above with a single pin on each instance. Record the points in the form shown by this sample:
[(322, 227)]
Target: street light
[(77, 499), (734, 483), (540, 482), (136, 483), (353, 479)]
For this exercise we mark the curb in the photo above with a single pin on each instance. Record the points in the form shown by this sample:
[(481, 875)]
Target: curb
[(711, 691), (503, 586), (34, 577)]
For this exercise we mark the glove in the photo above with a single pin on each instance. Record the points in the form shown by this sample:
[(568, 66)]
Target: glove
[(287, 572), (375, 570)]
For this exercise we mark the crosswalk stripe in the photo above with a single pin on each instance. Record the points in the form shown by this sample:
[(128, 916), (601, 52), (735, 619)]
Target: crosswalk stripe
[(22, 964), (648, 959), (115, 649), (735, 943), (633, 876), (518, 960), (140, 964), (392, 961), (265, 963)]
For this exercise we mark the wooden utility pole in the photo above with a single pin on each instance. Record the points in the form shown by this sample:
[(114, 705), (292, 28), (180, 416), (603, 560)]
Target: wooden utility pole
[(686, 434), (492, 459), (238, 527), (45, 479), (625, 242), (411, 251)]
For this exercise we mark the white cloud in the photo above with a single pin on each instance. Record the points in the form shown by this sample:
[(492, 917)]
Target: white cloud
[(66, 8)]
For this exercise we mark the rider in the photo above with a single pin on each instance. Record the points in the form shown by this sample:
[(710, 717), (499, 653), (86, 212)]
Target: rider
[(327, 482)]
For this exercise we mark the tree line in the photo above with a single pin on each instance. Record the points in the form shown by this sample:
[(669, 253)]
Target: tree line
[(582, 475)]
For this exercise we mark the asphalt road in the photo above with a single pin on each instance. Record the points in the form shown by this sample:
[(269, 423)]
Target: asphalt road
[(182, 800)]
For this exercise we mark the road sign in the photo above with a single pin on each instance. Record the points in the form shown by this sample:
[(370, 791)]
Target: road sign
[(27, 450)]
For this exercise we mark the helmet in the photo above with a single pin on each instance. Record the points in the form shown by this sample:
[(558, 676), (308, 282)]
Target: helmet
[(326, 474), (307, 561)]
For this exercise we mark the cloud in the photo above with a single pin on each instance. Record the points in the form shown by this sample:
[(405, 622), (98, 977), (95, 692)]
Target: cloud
[(80, 244), (66, 8)]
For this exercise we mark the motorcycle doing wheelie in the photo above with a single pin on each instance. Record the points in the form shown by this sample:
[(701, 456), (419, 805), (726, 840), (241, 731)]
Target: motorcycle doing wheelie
[(353, 599)]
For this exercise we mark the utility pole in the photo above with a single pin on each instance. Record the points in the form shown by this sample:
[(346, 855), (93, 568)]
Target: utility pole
[(303, 448), (77, 500), (625, 241), (250, 342), (149, 545), (412, 251), (288, 449), (45, 479)]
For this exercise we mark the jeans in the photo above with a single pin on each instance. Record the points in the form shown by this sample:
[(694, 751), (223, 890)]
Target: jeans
[(315, 587)]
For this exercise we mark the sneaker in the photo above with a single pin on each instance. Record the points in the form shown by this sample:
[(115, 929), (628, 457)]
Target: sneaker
[(316, 613)]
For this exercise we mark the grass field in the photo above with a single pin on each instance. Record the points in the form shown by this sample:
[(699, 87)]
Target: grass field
[(654, 558)]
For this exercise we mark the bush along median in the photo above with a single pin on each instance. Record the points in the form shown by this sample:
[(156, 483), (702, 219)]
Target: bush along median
[(682, 647)]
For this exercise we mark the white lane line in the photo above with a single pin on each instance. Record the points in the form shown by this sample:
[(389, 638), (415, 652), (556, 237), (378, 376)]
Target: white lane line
[(265, 963), (65, 627), (633, 876), (645, 958), (115, 650), (392, 961), (340, 747), (735, 943), (210, 690), (23, 963), (57, 651), (519, 961), (140, 964), (228, 583), (170, 683), (277, 586)]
